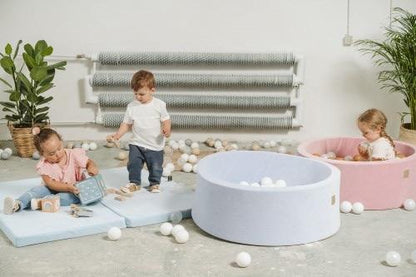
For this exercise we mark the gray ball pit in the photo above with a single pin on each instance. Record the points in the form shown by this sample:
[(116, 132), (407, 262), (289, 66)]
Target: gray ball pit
[(307, 210)]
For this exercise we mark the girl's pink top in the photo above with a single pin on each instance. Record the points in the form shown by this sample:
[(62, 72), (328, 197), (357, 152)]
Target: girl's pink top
[(71, 172)]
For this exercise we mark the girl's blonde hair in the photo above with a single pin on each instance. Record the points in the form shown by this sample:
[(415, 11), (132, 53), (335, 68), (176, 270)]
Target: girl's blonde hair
[(376, 119)]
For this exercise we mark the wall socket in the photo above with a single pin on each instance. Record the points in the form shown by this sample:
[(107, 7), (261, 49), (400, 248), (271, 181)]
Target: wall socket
[(347, 40)]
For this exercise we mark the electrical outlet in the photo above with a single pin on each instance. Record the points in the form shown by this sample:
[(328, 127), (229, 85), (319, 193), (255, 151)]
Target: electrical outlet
[(347, 40)]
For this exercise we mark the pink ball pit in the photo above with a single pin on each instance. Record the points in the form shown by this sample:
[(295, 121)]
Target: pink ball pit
[(379, 185)]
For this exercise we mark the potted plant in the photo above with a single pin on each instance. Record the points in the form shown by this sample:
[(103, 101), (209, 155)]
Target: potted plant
[(27, 105), (396, 55)]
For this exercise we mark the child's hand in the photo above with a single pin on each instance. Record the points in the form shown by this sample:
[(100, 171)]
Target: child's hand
[(92, 170), (363, 149), (72, 188), (166, 128)]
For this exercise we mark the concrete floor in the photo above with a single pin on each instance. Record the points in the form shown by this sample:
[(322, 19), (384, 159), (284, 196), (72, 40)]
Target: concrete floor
[(358, 249)]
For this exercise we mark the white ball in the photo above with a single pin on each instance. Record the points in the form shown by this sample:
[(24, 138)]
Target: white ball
[(194, 145), (348, 158), (176, 229), (171, 142), (166, 228), (93, 146), (36, 155), (185, 157), (281, 149), (243, 259), (122, 155), (182, 236), (114, 233), (409, 204), (8, 150), (170, 166), (331, 155), (273, 143), (85, 146), (413, 256), (266, 181), (266, 145), (280, 183), (5, 155), (255, 184), (175, 146), (176, 217), (195, 168), (393, 258), (180, 162), (182, 147), (218, 144), (187, 167), (166, 172), (234, 146), (357, 208), (192, 159), (244, 183), (346, 207), (181, 142)]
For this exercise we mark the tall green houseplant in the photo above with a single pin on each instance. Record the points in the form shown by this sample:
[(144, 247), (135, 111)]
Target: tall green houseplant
[(396, 56), (27, 104)]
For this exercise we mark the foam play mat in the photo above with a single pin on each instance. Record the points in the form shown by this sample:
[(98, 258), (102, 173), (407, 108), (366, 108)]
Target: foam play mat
[(142, 208), (30, 227)]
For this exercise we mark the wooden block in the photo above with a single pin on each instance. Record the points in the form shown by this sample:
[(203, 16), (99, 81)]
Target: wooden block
[(50, 204)]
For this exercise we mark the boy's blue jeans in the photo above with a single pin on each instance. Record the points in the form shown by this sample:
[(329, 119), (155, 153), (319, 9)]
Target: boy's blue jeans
[(66, 198), (153, 159)]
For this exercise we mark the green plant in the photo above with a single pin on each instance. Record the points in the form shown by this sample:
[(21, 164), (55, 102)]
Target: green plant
[(27, 105), (397, 57)]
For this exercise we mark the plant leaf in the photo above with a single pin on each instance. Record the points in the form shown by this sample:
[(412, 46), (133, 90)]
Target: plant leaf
[(14, 96), (38, 73), (30, 62), (57, 65), (45, 100), (44, 88), (16, 51), (47, 51), (8, 49), (25, 81), (7, 64), (29, 50), (8, 104)]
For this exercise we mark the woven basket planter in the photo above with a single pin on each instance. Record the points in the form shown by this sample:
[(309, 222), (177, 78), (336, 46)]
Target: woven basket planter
[(406, 134), (23, 139)]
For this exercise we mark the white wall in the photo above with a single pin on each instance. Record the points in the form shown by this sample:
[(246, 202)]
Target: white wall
[(339, 82)]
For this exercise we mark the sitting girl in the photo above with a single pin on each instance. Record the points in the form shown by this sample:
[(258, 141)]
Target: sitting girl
[(59, 168), (379, 146)]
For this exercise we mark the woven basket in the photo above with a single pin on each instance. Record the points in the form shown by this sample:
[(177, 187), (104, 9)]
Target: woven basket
[(406, 134), (23, 140)]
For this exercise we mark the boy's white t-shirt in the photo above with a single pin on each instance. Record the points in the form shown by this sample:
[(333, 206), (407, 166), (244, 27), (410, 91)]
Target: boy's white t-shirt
[(381, 148), (146, 120)]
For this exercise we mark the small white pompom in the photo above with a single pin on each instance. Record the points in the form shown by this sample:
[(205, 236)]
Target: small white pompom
[(273, 143), (244, 183), (171, 142), (409, 204), (114, 233), (166, 228), (266, 145), (195, 168), (393, 258), (255, 184), (176, 229), (280, 183), (181, 142), (357, 208), (195, 145), (281, 149), (266, 181), (85, 146), (234, 146), (5, 155), (331, 155), (182, 236), (346, 207), (176, 217), (243, 259), (192, 159), (187, 167), (93, 146)]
